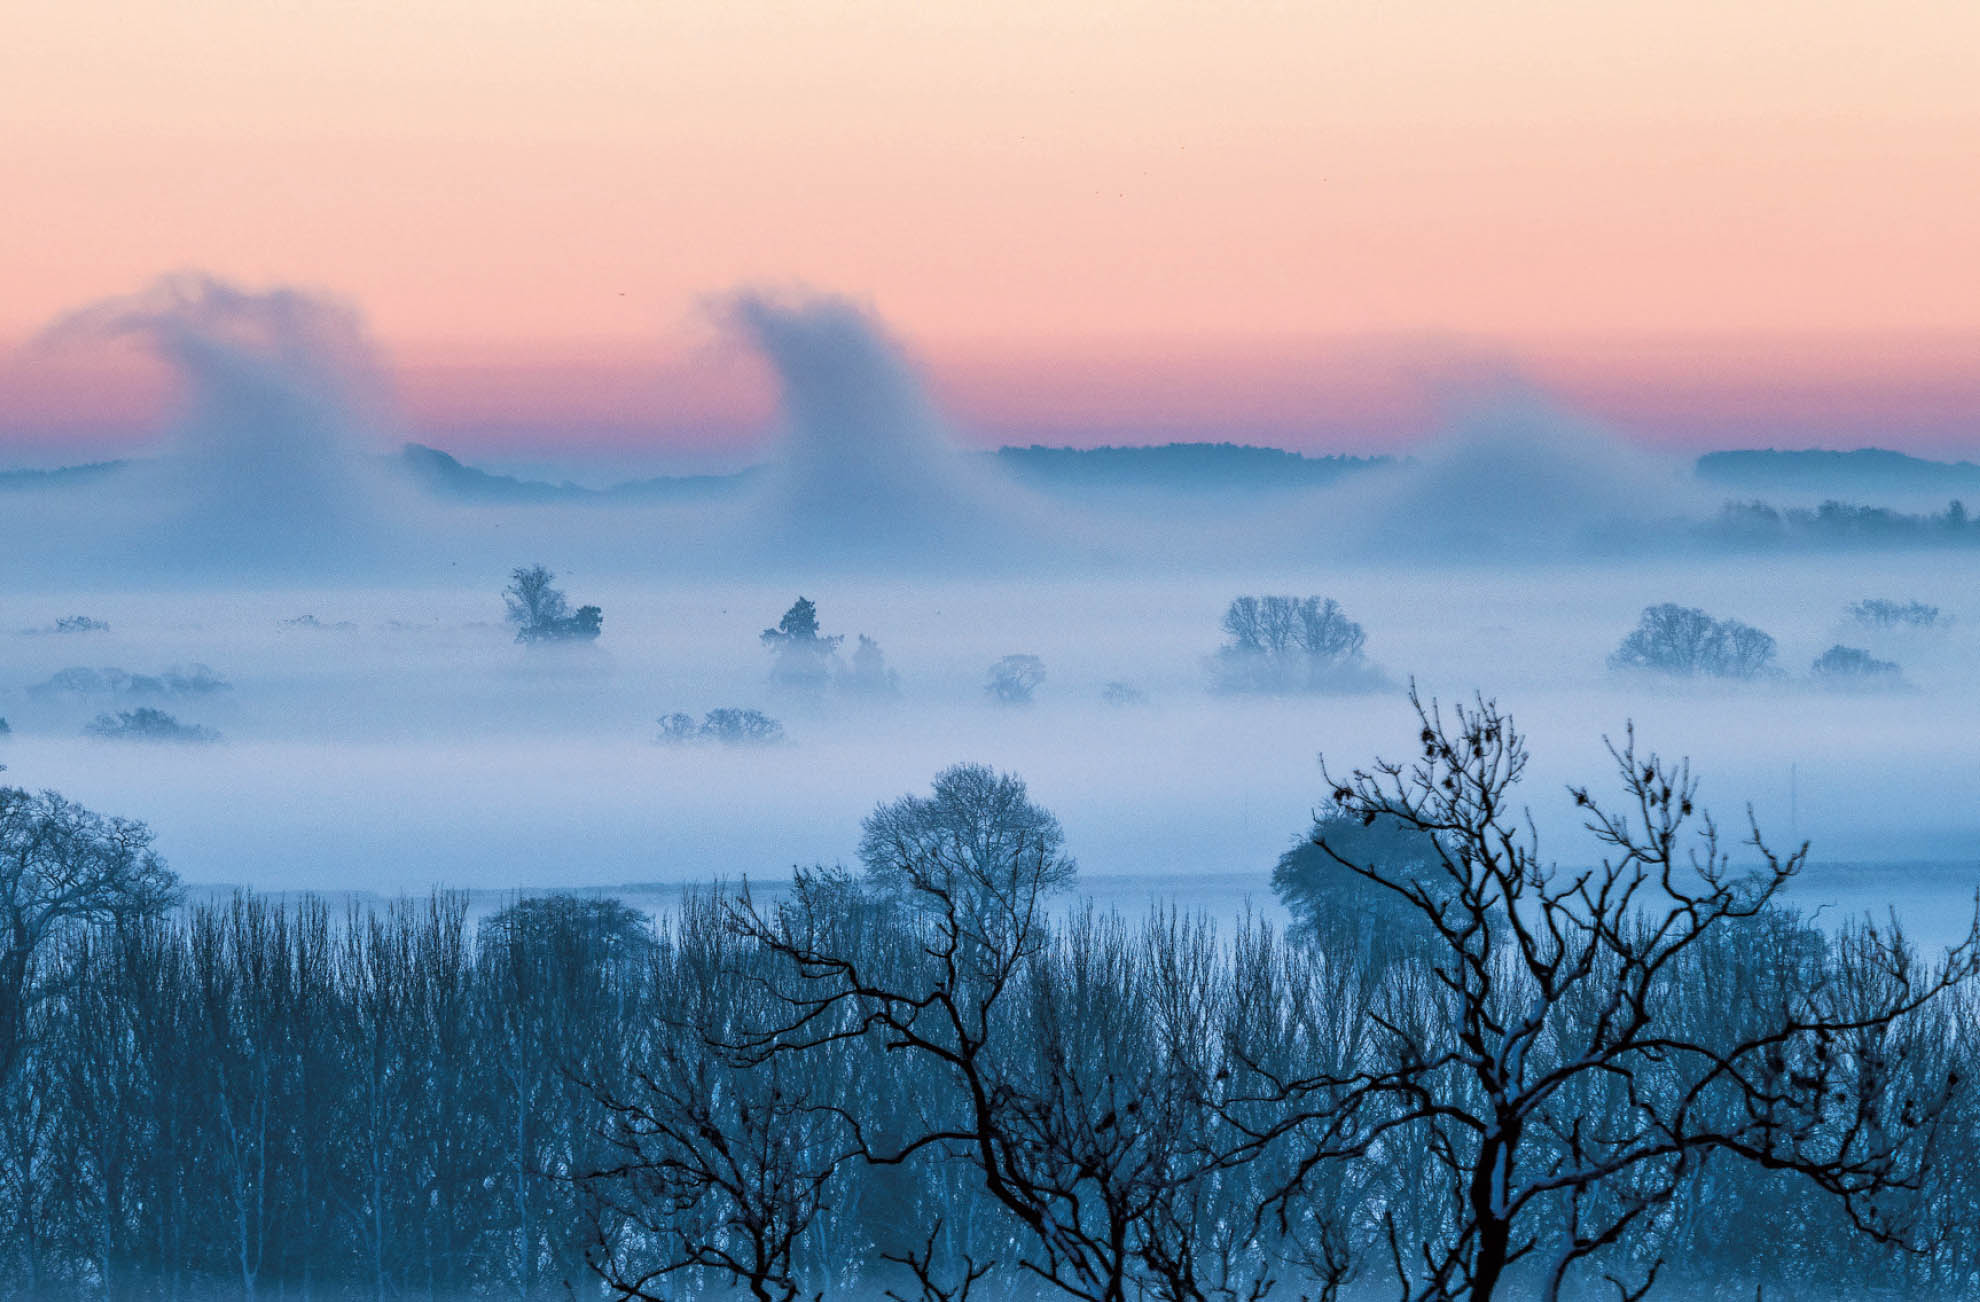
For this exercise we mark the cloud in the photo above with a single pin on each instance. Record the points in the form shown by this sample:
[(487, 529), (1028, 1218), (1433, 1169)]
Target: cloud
[(1515, 476), (866, 471), (267, 466)]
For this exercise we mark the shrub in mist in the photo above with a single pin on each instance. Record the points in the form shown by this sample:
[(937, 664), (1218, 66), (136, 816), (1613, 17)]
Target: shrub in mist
[(867, 674), (313, 624), (74, 624), (1848, 665), (805, 656), (179, 680), (729, 726), (146, 723), (1290, 644), (1122, 694), (1014, 679), (1880, 613), (541, 612), (1687, 642)]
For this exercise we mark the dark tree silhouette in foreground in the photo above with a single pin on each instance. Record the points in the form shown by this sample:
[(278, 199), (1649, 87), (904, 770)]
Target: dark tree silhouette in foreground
[(718, 1171), (1567, 1080), (541, 612), (63, 870), (1062, 1074)]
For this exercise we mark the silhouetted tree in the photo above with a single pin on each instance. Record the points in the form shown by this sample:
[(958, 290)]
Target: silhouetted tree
[(1551, 1075), (1682, 640), (1882, 613), (734, 727), (804, 655), (976, 830), (147, 724), (868, 674), (541, 612), (729, 725), (1283, 644), (1853, 665), (1342, 910), (63, 869), (713, 1169), (1014, 679), (80, 624)]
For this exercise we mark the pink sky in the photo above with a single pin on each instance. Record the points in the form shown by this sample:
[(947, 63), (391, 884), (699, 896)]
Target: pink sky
[(1713, 223)]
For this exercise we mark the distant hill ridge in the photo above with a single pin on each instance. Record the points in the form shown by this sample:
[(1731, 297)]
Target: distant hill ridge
[(1865, 470), (445, 474), (1184, 467), (59, 477), (1175, 467)]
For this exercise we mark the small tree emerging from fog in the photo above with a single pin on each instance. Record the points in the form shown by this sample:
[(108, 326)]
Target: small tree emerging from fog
[(1559, 1086), (1853, 665), (805, 656), (146, 724), (735, 727), (1123, 694), (868, 674), (179, 680), (1288, 644), (1881, 613), (1014, 679), (80, 624), (1685, 641), (729, 725), (541, 612)]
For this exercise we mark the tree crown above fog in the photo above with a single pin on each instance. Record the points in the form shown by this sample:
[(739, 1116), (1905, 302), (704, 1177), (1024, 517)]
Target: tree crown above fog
[(541, 612), (1685, 641), (976, 832)]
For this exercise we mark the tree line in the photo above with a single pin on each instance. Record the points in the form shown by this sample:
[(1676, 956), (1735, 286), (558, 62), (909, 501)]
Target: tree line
[(1463, 1072)]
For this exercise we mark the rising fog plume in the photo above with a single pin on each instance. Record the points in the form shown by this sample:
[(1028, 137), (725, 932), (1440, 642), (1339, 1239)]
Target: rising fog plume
[(267, 465), (867, 471), (1516, 477)]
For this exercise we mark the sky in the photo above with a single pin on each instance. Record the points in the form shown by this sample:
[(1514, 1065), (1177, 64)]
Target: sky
[(1708, 224)]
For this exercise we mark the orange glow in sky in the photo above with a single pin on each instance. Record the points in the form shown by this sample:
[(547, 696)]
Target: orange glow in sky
[(1130, 212)]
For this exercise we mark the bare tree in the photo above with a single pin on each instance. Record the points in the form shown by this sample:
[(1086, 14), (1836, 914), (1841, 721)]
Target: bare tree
[(1545, 1074), (713, 1168), (62, 868), (1284, 644), (542, 613), (1673, 639), (1014, 678)]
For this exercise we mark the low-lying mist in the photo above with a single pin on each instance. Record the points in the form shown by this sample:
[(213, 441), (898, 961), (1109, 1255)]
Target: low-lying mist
[(270, 575), (399, 737)]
